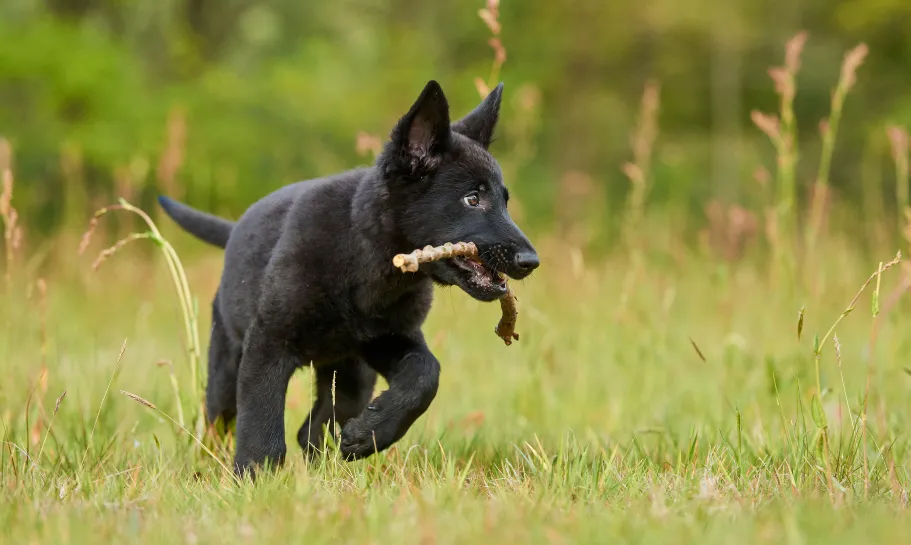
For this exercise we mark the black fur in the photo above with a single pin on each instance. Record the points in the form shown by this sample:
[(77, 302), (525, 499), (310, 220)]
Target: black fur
[(308, 278)]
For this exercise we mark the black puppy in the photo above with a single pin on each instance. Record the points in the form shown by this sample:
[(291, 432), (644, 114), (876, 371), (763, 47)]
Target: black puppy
[(308, 277)]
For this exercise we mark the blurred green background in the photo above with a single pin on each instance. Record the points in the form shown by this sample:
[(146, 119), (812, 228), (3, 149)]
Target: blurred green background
[(220, 101)]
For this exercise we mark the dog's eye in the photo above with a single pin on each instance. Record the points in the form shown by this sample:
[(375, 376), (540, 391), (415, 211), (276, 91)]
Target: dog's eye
[(472, 200)]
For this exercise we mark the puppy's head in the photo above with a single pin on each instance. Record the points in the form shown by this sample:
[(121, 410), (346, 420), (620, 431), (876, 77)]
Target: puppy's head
[(444, 186)]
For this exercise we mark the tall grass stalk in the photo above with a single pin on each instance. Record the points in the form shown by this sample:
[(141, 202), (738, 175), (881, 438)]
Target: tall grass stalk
[(883, 268), (871, 187), (642, 141), (638, 171), (181, 285), (782, 132), (490, 14), (104, 398), (12, 232), (899, 143), (817, 411), (786, 86), (150, 405), (829, 129)]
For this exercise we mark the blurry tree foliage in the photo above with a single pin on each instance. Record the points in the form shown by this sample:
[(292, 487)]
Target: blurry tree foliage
[(260, 93)]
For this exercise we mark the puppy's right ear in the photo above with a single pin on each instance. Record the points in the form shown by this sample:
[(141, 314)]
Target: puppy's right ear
[(481, 122), (422, 136)]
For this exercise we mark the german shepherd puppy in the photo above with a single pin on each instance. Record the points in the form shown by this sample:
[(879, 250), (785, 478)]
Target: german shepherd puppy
[(308, 277)]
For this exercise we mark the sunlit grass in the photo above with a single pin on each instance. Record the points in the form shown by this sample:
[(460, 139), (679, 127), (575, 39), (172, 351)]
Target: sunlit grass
[(598, 425)]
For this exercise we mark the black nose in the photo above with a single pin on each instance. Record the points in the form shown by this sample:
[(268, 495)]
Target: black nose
[(527, 261)]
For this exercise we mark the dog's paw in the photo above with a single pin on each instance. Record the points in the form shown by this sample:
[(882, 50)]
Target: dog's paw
[(357, 442)]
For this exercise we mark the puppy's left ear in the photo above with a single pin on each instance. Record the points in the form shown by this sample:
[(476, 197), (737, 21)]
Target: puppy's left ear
[(481, 122), (422, 135)]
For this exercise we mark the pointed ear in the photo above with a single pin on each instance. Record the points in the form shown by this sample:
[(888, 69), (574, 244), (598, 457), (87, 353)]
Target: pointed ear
[(422, 135), (481, 122)]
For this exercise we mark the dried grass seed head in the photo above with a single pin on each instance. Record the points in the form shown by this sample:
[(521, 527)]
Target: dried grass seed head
[(853, 60)]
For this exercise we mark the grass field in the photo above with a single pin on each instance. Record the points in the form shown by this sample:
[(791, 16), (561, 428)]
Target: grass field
[(674, 404)]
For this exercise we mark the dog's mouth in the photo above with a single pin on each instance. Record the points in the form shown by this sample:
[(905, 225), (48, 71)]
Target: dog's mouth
[(477, 279)]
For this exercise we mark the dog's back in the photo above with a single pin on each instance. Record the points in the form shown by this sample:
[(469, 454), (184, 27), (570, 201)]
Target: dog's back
[(315, 212)]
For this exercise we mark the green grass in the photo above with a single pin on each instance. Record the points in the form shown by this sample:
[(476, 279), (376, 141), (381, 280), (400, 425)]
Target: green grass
[(597, 426)]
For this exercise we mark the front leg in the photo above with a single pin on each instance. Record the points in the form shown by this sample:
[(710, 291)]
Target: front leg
[(343, 390), (413, 374), (262, 383)]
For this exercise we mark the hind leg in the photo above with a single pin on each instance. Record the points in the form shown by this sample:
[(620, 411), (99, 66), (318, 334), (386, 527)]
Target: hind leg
[(224, 358), (354, 383)]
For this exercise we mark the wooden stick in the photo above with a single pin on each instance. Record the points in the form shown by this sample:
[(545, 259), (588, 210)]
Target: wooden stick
[(506, 328), (410, 262)]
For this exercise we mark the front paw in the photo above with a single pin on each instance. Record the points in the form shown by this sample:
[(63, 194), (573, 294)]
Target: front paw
[(358, 440)]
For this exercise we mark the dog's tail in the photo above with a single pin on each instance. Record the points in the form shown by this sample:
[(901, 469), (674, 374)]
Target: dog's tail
[(206, 227)]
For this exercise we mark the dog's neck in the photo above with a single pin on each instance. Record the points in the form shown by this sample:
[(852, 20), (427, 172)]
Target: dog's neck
[(377, 240)]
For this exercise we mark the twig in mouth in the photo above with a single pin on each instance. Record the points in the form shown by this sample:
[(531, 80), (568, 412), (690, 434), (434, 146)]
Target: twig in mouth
[(506, 328)]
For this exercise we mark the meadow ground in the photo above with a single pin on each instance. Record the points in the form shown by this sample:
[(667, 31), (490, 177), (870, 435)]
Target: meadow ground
[(673, 404)]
